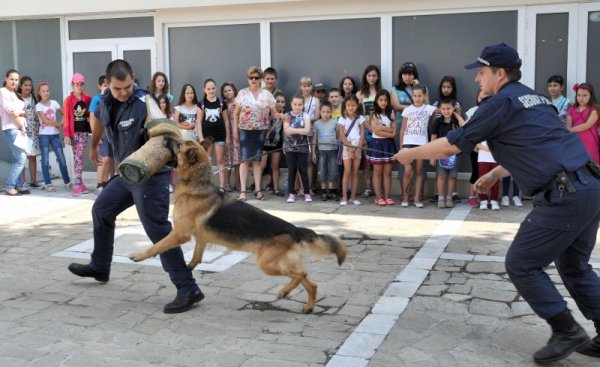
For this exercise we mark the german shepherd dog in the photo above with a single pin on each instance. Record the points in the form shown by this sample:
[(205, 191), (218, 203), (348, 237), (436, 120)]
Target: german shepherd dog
[(211, 216)]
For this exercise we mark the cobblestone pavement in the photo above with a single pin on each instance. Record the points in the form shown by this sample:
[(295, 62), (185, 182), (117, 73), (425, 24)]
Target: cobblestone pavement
[(421, 287)]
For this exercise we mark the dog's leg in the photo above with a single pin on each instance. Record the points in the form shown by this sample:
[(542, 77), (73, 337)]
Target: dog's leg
[(297, 278), (198, 252), (311, 288), (284, 257), (172, 240)]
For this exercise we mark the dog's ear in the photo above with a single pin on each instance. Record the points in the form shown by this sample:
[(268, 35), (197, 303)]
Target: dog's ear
[(207, 142), (191, 155)]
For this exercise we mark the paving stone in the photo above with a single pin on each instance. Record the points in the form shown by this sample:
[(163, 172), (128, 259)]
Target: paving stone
[(431, 290), (66, 321), (485, 267), (457, 297), (494, 294), (284, 352), (484, 307), (460, 288)]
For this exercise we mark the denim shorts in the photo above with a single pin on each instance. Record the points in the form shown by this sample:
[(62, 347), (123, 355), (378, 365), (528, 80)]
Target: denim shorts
[(328, 168), (450, 172)]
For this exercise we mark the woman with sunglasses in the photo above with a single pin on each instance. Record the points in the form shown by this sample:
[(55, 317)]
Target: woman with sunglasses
[(251, 121)]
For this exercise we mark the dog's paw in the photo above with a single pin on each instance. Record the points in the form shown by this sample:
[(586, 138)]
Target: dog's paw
[(307, 309), (282, 294), (191, 266), (137, 256)]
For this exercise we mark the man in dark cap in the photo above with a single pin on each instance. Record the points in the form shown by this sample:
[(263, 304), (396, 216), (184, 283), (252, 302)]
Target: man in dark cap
[(530, 142)]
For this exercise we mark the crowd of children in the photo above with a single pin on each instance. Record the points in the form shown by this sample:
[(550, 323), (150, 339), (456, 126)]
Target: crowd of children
[(326, 136)]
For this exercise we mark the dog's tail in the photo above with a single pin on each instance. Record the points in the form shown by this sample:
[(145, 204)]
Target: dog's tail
[(323, 244)]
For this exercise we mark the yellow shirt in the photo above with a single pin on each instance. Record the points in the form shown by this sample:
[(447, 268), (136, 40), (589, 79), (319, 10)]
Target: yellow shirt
[(336, 114)]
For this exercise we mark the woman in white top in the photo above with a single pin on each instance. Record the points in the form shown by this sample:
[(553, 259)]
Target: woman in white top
[(14, 126)]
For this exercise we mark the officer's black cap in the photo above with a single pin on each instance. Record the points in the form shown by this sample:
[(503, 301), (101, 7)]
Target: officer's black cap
[(500, 55)]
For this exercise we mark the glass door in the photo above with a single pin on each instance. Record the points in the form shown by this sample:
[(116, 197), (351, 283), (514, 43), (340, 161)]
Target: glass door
[(589, 45), (142, 57), (550, 45), (91, 61)]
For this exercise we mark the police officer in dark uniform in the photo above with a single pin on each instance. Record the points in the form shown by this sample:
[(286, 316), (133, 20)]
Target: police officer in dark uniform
[(530, 142), (122, 113)]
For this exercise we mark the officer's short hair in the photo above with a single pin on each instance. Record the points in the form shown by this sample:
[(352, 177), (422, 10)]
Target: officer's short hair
[(118, 69), (513, 75)]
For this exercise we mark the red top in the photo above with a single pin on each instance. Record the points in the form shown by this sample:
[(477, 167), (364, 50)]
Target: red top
[(69, 116)]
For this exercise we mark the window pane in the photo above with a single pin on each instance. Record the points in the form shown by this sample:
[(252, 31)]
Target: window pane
[(111, 28), (222, 53), (325, 50), (551, 48)]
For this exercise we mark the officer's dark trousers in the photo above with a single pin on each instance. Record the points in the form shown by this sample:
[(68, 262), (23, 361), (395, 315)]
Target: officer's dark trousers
[(151, 199), (560, 229)]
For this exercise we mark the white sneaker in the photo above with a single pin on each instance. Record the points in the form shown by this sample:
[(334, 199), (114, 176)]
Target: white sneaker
[(343, 203), (517, 201), (307, 198), (483, 205), (494, 205), (291, 198), (48, 187), (356, 202), (504, 201)]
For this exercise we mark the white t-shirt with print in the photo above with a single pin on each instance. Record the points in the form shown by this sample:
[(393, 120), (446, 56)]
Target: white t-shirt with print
[(354, 134), (50, 112), (417, 124)]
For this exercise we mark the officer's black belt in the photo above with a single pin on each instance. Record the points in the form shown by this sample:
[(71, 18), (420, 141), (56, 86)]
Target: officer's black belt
[(563, 181)]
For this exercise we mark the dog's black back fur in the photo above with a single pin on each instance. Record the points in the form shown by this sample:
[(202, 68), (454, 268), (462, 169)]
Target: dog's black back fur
[(240, 222)]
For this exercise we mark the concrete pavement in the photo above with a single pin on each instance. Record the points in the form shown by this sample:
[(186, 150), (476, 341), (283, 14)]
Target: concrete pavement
[(421, 287)]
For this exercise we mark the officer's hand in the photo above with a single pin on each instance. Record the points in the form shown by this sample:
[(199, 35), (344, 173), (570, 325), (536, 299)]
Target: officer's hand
[(485, 183), (95, 156), (403, 156)]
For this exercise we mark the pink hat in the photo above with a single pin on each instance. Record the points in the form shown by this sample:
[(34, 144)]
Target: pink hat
[(77, 78)]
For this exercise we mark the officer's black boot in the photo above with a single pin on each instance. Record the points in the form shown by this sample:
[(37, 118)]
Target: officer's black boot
[(567, 336), (593, 348)]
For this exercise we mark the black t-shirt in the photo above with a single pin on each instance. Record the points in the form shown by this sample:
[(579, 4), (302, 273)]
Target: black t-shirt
[(115, 107), (82, 125), (441, 128), (212, 120)]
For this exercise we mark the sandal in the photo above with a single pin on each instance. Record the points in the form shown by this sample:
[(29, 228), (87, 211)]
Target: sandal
[(389, 201), (259, 195), (242, 196), (276, 192), (380, 202)]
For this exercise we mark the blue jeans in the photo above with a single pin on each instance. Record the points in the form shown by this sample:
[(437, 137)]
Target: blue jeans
[(562, 228), (151, 199), (54, 141), (328, 169), (19, 159)]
